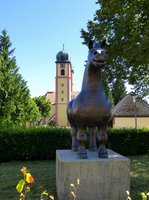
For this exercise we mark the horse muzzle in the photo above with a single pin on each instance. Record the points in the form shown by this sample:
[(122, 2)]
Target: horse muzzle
[(99, 57), (99, 53)]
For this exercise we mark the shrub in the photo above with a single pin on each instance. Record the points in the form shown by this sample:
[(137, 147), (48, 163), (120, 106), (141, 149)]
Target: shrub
[(129, 141), (42, 142), (32, 143)]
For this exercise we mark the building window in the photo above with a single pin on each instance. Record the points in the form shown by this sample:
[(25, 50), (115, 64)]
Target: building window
[(62, 84), (62, 72), (62, 99), (62, 92)]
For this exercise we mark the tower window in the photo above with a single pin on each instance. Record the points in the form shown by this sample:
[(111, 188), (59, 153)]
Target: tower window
[(62, 72)]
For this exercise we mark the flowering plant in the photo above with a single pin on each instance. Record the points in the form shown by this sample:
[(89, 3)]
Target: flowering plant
[(23, 185)]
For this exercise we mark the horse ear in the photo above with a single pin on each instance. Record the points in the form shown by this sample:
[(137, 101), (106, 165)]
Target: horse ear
[(90, 44), (103, 44)]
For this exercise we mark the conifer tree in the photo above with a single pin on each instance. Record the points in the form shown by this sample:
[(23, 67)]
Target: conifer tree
[(118, 90), (107, 88), (14, 93), (8, 71)]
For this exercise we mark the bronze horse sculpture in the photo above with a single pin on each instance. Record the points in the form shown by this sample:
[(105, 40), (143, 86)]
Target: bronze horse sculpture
[(91, 109)]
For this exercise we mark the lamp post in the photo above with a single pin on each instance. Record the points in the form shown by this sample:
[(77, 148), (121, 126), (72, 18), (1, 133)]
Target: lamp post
[(135, 111)]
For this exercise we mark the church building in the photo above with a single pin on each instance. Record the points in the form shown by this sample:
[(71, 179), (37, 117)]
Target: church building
[(63, 90), (124, 113)]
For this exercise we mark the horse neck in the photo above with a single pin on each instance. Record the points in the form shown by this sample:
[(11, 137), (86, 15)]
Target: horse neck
[(92, 78)]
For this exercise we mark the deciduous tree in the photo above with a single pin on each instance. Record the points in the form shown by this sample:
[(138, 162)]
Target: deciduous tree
[(125, 26), (43, 105)]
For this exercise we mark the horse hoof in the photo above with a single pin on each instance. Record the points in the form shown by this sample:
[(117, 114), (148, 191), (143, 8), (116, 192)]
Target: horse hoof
[(105, 155), (82, 153), (102, 153)]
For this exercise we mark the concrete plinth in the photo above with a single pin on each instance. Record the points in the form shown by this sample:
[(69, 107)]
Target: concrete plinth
[(92, 178)]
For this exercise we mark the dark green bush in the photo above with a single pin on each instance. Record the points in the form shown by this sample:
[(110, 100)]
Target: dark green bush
[(42, 143), (32, 143), (129, 141)]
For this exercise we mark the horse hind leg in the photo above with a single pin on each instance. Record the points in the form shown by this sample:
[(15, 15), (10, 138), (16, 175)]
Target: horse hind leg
[(81, 137), (92, 136), (102, 140), (73, 133)]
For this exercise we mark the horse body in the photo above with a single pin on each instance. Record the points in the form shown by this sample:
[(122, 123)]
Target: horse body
[(91, 108)]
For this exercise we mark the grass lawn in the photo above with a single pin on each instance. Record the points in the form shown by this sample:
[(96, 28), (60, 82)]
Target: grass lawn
[(44, 174), (42, 171), (139, 171)]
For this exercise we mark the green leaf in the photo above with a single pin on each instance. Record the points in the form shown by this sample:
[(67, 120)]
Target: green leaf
[(45, 193), (20, 185)]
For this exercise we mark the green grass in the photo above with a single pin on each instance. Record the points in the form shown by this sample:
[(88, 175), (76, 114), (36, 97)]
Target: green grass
[(42, 171), (44, 174), (139, 175)]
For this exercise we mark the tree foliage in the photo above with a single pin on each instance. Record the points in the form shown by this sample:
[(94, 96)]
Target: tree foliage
[(15, 104), (43, 105), (125, 26), (118, 90)]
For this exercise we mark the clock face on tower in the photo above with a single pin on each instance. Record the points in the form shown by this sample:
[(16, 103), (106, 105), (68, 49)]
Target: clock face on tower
[(62, 65)]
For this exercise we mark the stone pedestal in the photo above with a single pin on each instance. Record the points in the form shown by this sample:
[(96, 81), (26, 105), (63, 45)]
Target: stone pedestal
[(92, 178)]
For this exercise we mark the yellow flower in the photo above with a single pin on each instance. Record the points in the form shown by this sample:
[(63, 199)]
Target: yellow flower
[(24, 170)]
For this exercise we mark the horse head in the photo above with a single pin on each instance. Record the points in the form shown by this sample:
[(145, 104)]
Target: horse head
[(97, 54)]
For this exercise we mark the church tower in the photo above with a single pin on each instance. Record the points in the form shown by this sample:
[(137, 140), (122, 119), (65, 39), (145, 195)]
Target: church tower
[(64, 86)]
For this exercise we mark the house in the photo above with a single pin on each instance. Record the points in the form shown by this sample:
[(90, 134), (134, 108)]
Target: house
[(130, 112)]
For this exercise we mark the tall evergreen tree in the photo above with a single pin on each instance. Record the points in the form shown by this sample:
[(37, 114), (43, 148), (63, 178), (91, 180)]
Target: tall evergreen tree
[(118, 90), (14, 93), (107, 88), (8, 70)]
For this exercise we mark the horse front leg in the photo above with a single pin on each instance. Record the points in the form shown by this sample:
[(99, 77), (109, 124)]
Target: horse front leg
[(92, 135), (102, 140), (81, 137), (73, 133)]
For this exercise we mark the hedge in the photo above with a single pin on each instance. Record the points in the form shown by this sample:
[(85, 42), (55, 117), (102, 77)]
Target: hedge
[(129, 141), (32, 143), (42, 143)]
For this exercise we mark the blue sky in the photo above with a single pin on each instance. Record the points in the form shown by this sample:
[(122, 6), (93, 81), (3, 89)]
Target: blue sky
[(38, 29)]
